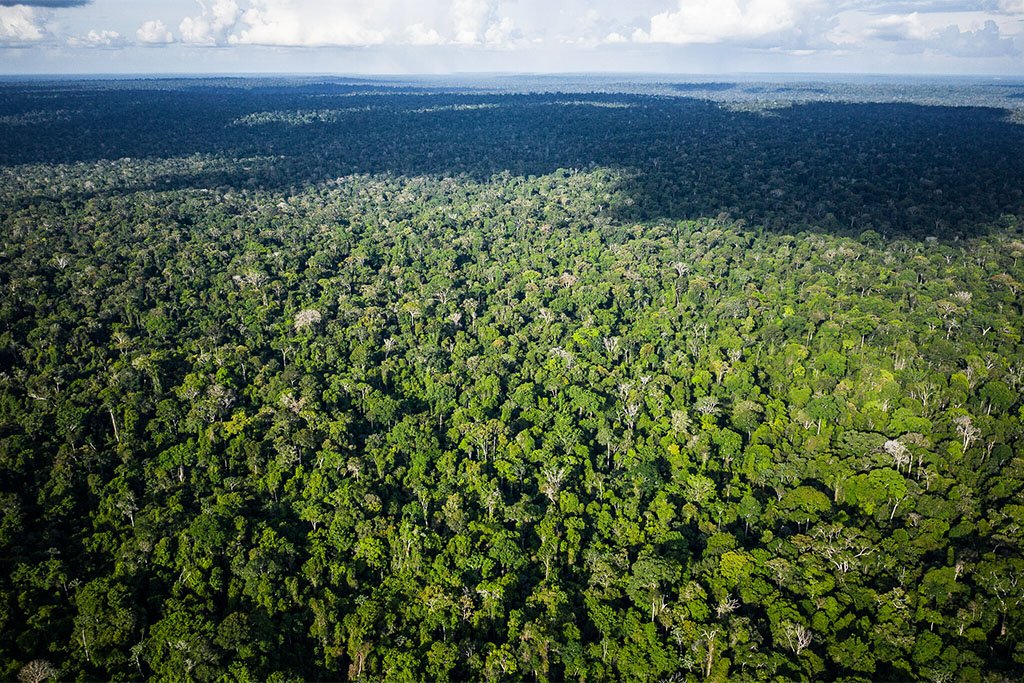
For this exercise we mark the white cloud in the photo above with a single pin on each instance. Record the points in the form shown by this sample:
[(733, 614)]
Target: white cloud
[(154, 32), (210, 27), (470, 18), (898, 27), (446, 35), (18, 25), (305, 23), (98, 38), (501, 33), (309, 23), (954, 32), (714, 21), (479, 22), (419, 34), (982, 42)]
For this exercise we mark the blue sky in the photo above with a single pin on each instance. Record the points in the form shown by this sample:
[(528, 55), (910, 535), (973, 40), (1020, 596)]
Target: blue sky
[(444, 36)]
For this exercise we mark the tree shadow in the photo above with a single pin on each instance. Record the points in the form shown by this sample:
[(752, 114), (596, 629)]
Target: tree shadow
[(900, 169)]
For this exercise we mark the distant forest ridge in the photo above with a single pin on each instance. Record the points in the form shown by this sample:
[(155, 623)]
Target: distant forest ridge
[(795, 155)]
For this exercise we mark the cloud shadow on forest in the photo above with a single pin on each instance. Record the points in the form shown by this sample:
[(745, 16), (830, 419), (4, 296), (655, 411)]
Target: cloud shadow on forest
[(901, 169)]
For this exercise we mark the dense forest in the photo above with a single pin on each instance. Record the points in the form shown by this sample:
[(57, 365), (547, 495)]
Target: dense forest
[(340, 381)]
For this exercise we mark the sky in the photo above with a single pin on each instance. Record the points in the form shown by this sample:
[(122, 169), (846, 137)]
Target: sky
[(518, 36)]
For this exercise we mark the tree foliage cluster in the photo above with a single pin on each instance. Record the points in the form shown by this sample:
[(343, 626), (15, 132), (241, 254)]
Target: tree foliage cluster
[(897, 168), (394, 427)]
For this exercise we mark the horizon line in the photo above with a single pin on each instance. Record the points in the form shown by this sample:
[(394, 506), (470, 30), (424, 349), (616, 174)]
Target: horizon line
[(99, 75)]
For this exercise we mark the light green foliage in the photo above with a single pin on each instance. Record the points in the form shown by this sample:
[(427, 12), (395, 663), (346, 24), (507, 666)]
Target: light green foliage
[(403, 422)]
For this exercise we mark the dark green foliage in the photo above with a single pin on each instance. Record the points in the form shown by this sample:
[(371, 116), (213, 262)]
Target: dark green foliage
[(392, 427)]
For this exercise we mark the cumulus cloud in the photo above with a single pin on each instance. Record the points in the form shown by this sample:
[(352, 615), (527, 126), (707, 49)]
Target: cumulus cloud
[(501, 33), (968, 35), (305, 23), (898, 27), (798, 26), (212, 26), (310, 23), (97, 38), (154, 32), (44, 3), (19, 25), (472, 20), (863, 32), (714, 21), (420, 34), (986, 41), (479, 22)]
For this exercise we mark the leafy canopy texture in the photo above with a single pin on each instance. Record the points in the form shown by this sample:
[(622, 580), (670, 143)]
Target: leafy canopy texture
[(446, 427)]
